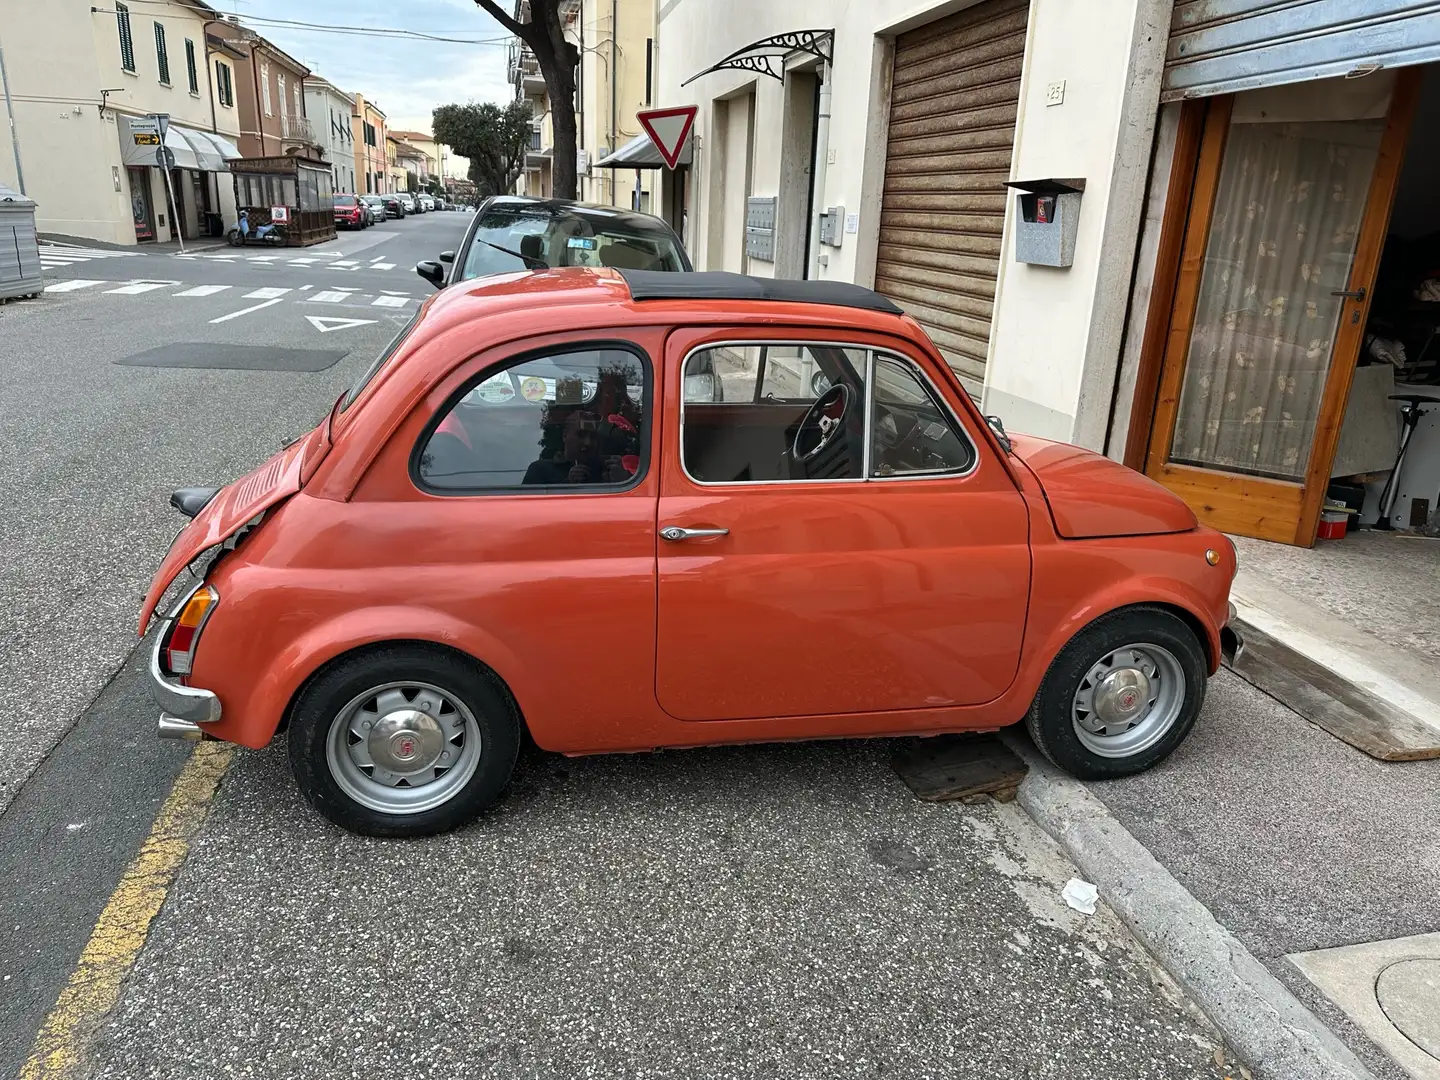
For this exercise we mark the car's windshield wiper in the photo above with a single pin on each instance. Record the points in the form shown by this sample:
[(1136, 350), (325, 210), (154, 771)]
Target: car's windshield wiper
[(531, 263)]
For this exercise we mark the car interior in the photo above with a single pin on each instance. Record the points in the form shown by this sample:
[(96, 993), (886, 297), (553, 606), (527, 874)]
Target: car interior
[(813, 427)]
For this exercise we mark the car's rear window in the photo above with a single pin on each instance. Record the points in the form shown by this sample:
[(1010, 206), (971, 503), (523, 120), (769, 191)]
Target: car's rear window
[(344, 200), (379, 362), (504, 234)]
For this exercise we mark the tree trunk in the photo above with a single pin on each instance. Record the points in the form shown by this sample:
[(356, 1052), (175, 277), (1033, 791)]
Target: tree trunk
[(562, 123)]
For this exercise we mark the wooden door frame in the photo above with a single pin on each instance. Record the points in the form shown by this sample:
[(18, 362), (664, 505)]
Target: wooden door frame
[(1270, 509)]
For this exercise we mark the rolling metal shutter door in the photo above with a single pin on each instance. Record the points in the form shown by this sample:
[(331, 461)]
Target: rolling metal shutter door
[(1222, 46), (955, 94)]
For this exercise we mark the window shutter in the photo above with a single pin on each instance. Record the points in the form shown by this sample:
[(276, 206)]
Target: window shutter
[(162, 58), (127, 43), (190, 66)]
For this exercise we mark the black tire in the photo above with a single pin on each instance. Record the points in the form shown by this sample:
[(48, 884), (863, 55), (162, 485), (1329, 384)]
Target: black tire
[(1050, 720), (323, 698)]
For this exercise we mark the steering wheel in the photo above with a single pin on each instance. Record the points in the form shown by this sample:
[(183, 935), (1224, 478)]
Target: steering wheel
[(822, 424)]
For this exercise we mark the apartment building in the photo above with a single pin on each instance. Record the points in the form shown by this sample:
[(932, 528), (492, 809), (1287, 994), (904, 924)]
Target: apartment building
[(368, 131), (616, 81), (82, 80), (269, 90), (330, 111)]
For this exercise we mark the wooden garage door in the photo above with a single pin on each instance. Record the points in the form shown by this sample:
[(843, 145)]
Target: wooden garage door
[(956, 91)]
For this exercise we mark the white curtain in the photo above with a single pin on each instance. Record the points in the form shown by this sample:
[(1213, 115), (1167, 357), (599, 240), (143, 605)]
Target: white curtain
[(1282, 239)]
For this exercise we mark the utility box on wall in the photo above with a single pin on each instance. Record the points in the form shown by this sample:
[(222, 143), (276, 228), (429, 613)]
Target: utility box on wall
[(1047, 219), (760, 227)]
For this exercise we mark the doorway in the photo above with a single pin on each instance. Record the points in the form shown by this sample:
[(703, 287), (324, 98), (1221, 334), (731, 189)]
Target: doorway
[(141, 209), (1289, 200)]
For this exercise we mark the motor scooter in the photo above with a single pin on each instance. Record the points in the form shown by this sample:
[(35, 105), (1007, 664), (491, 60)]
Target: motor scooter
[(242, 232)]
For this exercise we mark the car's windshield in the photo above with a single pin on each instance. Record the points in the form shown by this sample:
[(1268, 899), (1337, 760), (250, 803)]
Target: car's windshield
[(563, 239)]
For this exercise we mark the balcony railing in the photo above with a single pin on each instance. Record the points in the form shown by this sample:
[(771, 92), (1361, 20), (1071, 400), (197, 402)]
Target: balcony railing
[(297, 129)]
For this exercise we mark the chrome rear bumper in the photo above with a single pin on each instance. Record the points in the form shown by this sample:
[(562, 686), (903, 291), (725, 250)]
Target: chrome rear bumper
[(181, 704)]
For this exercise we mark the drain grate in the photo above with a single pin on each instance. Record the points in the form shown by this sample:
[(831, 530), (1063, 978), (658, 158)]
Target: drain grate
[(222, 355)]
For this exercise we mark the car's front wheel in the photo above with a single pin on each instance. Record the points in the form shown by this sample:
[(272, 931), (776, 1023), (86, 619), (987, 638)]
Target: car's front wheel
[(1121, 696), (402, 740)]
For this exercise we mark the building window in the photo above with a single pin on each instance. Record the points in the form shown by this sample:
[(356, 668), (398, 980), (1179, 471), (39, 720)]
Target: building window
[(127, 43), (280, 84), (190, 66), (225, 89), (265, 87), (162, 57)]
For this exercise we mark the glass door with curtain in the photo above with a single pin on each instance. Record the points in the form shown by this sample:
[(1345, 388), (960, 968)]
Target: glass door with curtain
[(1288, 213)]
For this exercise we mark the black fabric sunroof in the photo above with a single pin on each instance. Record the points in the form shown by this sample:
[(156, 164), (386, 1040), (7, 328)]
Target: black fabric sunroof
[(721, 285)]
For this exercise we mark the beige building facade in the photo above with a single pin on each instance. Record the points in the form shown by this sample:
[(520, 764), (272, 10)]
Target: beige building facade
[(82, 79)]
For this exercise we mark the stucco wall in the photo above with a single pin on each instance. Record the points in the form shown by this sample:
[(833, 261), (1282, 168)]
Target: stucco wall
[(1056, 333)]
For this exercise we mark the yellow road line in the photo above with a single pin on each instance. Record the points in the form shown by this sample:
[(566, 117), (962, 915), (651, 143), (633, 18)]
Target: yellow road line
[(120, 932)]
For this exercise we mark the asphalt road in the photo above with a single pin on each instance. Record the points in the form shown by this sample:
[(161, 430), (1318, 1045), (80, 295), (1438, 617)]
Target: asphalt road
[(760, 911)]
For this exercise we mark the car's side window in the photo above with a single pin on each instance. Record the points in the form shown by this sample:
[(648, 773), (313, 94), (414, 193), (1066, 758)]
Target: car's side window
[(911, 434), (774, 412), (568, 421)]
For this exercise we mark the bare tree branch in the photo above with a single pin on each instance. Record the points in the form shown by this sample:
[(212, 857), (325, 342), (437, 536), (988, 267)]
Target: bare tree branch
[(520, 30)]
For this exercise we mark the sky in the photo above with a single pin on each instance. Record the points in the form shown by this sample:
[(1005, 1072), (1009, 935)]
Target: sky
[(405, 79)]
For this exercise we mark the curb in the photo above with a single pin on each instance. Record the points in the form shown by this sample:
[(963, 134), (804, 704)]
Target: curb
[(1265, 1025)]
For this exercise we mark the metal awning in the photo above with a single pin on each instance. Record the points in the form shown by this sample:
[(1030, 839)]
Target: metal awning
[(199, 150), (214, 152), (641, 153), (767, 56)]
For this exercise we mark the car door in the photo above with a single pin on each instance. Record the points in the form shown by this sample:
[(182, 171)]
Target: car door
[(517, 503), (889, 571)]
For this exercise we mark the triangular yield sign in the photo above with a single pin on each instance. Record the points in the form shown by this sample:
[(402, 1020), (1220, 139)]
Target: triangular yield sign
[(325, 325), (668, 130)]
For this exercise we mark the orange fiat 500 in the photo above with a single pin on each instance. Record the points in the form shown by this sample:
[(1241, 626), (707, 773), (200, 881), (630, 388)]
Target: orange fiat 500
[(632, 510)]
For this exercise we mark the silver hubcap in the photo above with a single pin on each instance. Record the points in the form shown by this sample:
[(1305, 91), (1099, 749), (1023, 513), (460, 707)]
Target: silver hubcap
[(1128, 700), (403, 748)]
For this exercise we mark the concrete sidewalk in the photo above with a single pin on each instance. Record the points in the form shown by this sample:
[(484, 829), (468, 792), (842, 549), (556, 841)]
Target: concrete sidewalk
[(1294, 840)]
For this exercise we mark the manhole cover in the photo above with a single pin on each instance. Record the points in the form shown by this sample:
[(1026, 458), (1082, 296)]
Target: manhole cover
[(215, 354), (1409, 992)]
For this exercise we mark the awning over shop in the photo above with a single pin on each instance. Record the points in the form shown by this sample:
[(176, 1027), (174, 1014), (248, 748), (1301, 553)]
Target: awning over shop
[(200, 150), (211, 150), (641, 153)]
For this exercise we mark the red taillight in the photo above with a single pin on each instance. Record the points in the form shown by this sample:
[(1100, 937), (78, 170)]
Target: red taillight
[(180, 648)]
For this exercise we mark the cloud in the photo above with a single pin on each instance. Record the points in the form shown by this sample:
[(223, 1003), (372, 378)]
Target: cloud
[(405, 78)]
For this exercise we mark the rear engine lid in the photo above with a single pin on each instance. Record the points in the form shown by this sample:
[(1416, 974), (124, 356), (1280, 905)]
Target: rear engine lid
[(234, 506), (1091, 496)]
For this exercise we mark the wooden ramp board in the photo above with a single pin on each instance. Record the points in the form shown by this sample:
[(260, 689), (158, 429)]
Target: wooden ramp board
[(1330, 701), (948, 767)]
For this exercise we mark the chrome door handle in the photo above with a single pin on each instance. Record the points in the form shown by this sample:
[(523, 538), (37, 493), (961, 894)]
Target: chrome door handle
[(675, 532), (1350, 294)]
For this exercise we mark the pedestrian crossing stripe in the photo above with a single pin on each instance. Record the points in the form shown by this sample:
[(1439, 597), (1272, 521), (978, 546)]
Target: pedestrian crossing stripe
[(72, 285), (387, 298)]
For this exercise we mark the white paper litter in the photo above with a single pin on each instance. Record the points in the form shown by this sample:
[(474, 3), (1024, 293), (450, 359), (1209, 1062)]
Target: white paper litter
[(1080, 895)]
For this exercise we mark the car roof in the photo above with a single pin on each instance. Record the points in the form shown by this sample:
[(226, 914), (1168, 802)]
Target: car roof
[(720, 285), (595, 213)]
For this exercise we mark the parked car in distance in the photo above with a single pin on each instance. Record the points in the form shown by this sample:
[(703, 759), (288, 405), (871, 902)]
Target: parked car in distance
[(518, 232), (394, 206), (351, 212), (518, 520), (441, 203), (376, 205), (407, 201), (427, 202)]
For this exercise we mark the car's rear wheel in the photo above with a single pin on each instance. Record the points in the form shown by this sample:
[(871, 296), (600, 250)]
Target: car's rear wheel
[(402, 740), (1121, 696)]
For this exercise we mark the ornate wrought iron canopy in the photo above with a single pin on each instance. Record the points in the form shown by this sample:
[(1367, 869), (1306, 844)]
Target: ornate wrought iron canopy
[(767, 56)]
